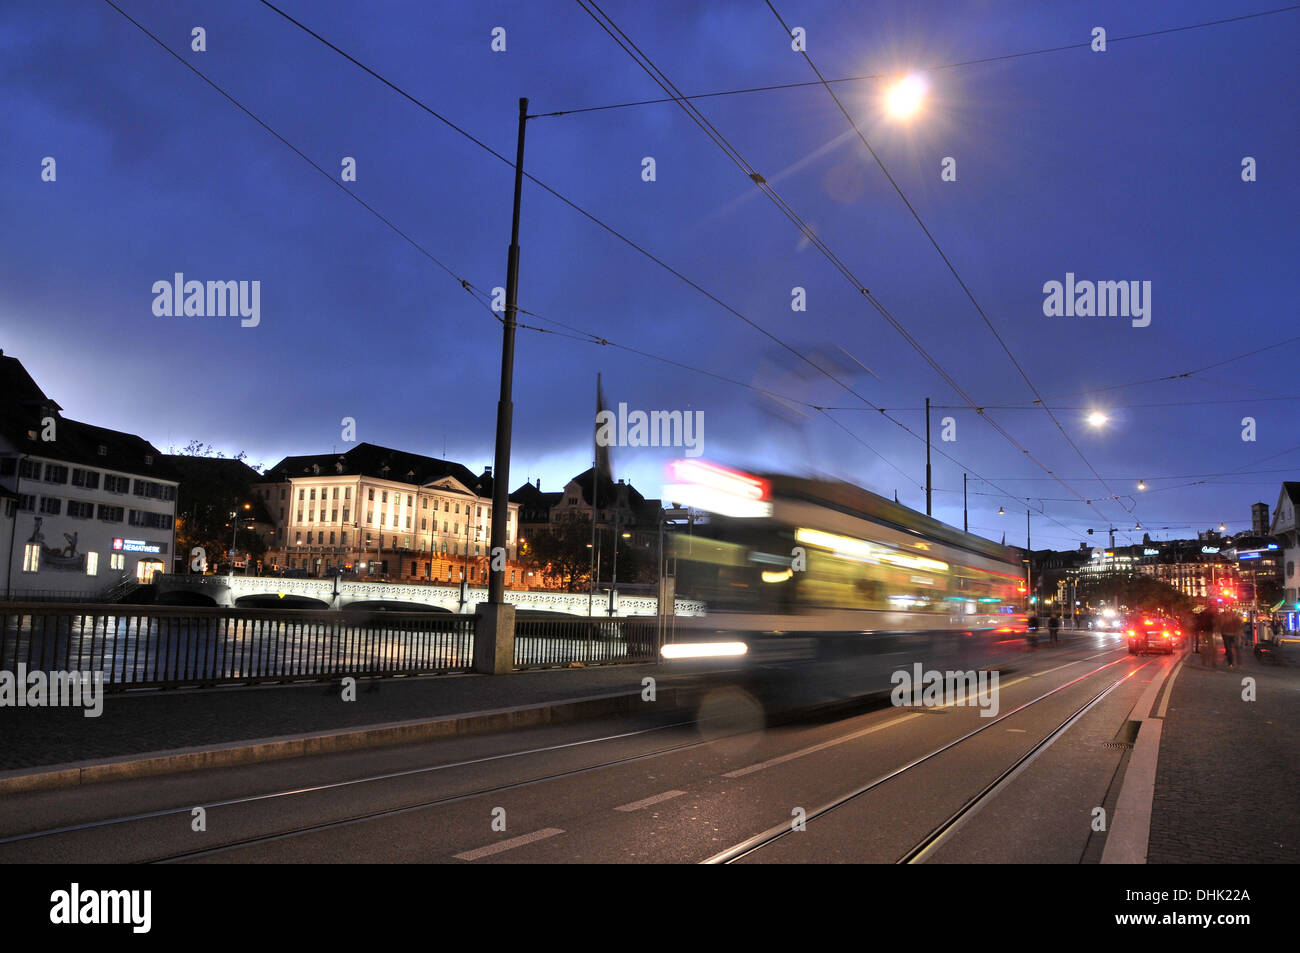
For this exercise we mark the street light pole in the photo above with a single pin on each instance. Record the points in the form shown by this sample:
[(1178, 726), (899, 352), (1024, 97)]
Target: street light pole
[(927, 457), (505, 406)]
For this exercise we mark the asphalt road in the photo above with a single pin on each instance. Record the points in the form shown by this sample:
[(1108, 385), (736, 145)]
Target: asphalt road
[(869, 787)]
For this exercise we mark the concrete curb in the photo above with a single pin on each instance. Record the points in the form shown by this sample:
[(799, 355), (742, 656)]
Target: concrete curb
[(325, 742)]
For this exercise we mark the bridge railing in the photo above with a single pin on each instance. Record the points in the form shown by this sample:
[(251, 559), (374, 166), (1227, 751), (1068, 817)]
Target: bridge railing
[(590, 641), (159, 646)]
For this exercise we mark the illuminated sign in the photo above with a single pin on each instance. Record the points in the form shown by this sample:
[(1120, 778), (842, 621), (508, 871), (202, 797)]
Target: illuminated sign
[(1209, 549), (1150, 552), (135, 546)]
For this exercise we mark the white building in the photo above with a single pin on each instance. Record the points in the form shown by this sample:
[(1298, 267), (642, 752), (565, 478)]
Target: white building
[(94, 507), (418, 517)]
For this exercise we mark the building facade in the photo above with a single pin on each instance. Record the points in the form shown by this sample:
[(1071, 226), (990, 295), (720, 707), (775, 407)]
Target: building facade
[(93, 507), (381, 513)]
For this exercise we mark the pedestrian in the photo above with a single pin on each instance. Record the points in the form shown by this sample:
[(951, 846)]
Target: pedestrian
[(1230, 630), (1054, 627), (1032, 626), (1207, 625), (1200, 626)]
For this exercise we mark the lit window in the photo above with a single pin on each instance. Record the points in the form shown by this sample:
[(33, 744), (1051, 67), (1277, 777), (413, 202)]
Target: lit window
[(92, 564), (32, 557)]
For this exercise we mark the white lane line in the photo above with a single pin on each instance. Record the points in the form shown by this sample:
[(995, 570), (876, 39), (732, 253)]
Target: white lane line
[(1169, 691), (511, 844), (646, 802), (741, 772)]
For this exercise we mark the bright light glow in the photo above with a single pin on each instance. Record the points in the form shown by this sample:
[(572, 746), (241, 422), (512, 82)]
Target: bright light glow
[(717, 489), (862, 551), (904, 98), (779, 576), (681, 650), (1097, 418)]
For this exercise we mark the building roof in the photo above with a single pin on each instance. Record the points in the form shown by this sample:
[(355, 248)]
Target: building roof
[(381, 463), (605, 489), (23, 405)]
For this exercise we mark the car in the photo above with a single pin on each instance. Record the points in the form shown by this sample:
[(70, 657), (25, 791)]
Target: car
[(1152, 632)]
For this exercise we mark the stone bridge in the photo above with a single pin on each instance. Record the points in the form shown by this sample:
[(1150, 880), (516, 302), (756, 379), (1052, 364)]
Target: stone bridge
[(297, 593)]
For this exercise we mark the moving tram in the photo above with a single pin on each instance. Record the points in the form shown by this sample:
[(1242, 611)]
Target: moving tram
[(819, 590)]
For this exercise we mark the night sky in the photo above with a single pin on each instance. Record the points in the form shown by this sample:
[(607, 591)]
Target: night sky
[(1116, 165)]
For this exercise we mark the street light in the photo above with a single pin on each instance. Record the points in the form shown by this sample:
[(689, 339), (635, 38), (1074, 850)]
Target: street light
[(1097, 418), (1142, 484), (903, 99)]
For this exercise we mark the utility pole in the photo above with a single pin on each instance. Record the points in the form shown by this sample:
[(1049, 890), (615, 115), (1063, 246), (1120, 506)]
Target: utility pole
[(505, 406), (964, 527), (927, 457)]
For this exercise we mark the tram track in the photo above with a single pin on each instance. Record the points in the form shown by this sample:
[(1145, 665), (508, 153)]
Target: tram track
[(928, 844)]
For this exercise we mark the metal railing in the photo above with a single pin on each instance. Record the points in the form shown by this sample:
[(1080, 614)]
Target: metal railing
[(590, 641), (166, 646)]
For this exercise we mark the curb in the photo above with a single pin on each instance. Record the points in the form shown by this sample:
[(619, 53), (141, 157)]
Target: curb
[(324, 742)]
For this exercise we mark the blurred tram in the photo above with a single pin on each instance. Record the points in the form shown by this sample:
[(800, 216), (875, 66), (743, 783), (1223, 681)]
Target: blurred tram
[(818, 590)]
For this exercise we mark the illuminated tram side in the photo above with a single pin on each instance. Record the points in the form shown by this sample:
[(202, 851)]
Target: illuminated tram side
[(799, 568)]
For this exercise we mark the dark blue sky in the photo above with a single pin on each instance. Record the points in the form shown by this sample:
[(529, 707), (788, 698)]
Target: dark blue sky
[(1122, 165)]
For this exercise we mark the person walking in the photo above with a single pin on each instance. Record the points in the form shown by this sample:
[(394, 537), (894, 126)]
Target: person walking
[(1054, 627), (1230, 631)]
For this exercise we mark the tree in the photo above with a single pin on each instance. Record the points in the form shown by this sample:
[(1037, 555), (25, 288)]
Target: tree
[(209, 492), (562, 553), (1139, 592)]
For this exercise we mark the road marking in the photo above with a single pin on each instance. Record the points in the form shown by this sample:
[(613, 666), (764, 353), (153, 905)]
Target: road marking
[(646, 802), (1169, 691), (511, 844), (741, 772), (1019, 731)]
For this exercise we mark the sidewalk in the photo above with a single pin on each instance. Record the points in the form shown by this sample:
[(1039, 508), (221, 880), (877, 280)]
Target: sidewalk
[(1228, 774), (147, 722)]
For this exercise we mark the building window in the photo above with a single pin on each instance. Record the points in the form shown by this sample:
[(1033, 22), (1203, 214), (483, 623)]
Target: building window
[(313, 494), (282, 493), (446, 506), (343, 539), (408, 499), (92, 564), (116, 561), (311, 516), (117, 484), (424, 524), (346, 514), (51, 505), (29, 469), (331, 538), (79, 510), (302, 494), (383, 497), (370, 494), (424, 503), (383, 519), (347, 493), (32, 557), (408, 522), (26, 502), (103, 450), (86, 478), (299, 514), (308, 537), (111, 514)]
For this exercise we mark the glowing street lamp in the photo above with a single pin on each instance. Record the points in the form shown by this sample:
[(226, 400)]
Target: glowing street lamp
[(1142, 484), (903, 99), (1097, 418)]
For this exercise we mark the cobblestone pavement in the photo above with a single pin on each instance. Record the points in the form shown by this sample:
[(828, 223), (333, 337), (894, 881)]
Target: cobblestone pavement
[(1228, 778), (141, 722)]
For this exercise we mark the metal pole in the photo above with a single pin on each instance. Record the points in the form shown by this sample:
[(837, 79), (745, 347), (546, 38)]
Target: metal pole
[(927, 457), (965, 528), (505, 406), (613, 581)]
